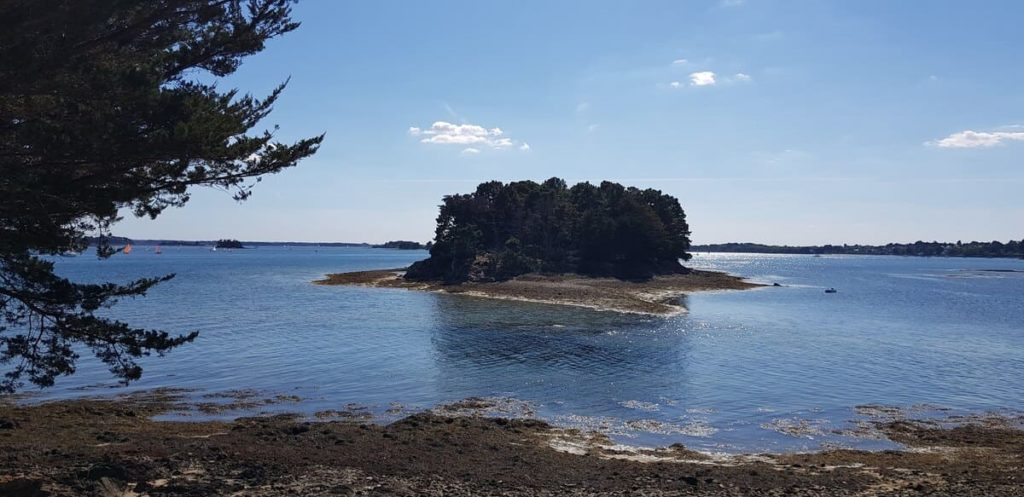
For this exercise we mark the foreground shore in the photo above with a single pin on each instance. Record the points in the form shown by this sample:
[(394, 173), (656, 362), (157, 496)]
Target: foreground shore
[(108, 447), (657, 296)]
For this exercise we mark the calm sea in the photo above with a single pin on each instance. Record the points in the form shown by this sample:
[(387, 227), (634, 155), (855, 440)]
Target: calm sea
[(775, 369)]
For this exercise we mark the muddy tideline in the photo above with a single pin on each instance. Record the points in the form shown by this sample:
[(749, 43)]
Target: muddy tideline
[(656, 296), (113, 448)]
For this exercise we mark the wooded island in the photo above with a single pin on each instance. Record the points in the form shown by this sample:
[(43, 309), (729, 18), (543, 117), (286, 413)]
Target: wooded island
[(605, 247), (505, 230)]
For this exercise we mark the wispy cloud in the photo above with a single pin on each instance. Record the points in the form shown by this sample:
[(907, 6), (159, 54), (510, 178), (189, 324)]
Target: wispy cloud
[(702, 78), (445, 133), (710, 78), (977, 139), (470, 151), (679, 62), (451, 111)]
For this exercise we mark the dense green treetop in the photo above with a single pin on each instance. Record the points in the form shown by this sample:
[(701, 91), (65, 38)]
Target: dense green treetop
[(504, 230), (106, 105)]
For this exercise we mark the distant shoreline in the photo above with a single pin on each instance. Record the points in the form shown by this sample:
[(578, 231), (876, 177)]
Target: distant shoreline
[(657, 296), (977, 250)]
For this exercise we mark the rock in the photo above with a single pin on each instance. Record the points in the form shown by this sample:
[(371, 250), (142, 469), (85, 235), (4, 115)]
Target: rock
[(22, 487), (107, 470)]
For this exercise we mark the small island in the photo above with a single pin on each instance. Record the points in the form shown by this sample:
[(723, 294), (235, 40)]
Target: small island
[(229, 244), (607, 247), (404, 245)]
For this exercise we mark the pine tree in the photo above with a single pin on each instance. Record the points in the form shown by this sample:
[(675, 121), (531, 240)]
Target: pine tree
[(108, 105)]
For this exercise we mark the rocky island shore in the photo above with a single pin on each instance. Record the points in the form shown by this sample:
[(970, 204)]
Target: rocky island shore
[(113, 447), (658, 295)]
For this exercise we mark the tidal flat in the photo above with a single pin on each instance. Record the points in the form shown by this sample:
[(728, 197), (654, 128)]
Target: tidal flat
[(113, 446), (657, 296)]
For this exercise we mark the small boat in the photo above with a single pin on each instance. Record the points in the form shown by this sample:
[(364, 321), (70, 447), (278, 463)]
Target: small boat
[(127, 249), (157, 251), (831, 290)]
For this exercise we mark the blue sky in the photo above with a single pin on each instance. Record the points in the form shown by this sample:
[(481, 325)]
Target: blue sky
[(798, 122)]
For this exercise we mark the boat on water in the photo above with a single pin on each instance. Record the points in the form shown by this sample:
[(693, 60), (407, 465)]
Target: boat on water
[(831, 290), (127, 249), (157, 250)]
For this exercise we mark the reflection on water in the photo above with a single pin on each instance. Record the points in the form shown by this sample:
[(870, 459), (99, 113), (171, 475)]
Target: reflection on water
[(779, 368), (579, 357)]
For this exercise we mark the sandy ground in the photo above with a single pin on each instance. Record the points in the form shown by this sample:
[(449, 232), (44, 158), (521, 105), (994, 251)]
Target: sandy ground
[(112, 447), (657, 296)]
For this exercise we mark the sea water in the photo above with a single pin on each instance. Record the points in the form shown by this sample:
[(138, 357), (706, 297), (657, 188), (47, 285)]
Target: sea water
[(773, 369)]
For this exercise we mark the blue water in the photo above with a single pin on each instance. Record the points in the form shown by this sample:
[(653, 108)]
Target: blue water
[(930, 335)]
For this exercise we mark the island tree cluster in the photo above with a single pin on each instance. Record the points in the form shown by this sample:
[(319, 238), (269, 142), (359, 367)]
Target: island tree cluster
[(504, 230), (404, 245)]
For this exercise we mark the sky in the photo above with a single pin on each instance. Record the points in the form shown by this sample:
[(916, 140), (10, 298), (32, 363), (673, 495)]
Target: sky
[(798, 122)]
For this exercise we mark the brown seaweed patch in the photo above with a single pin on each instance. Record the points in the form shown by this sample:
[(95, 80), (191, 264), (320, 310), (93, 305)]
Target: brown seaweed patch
[(487, 406)]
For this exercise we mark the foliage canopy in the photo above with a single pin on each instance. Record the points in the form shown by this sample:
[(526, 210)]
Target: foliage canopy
[(108, 105), (504, 230)]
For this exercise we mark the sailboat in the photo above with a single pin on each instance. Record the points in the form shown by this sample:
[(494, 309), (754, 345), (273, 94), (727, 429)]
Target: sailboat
[(157, 250), (127, 249)]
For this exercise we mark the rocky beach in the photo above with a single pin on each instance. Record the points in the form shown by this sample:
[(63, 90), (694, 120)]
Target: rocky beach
[(109, 447)]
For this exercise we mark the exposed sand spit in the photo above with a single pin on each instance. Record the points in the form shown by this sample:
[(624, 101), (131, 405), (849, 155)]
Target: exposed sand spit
[(657, 296)]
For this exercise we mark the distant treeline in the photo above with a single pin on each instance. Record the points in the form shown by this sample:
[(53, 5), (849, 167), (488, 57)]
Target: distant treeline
[(926, 249), (504, 230), (120, 240), (404, 245)]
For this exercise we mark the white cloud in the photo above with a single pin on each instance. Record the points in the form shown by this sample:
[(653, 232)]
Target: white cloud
[(502, 143), (976, 139), (731, 3), (445, 133), (582, 106), (675, 84), (678, 62), (742, 77), (471, 135), (525, 147), (702, 78), (593, 127)]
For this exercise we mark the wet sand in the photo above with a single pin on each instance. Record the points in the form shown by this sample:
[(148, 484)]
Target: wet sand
[(657, 296), (112, 447)]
